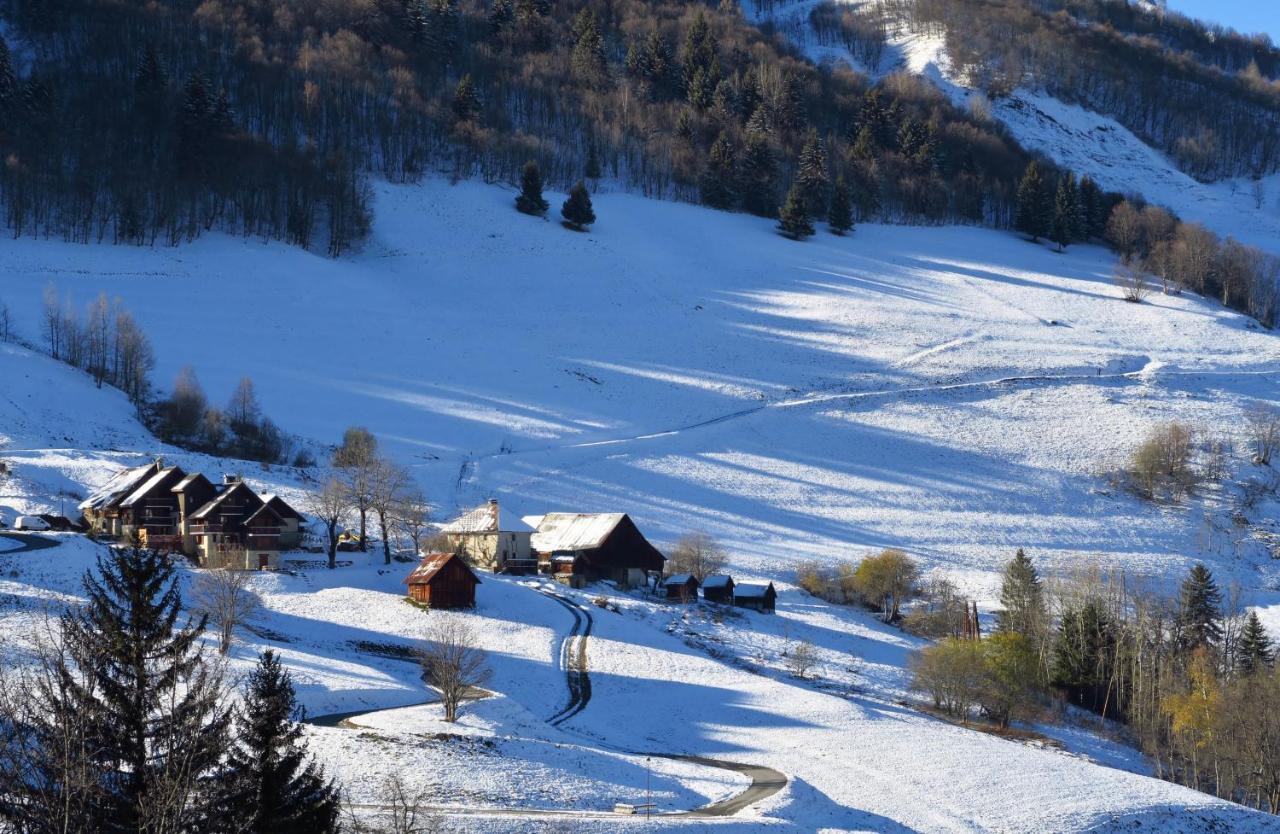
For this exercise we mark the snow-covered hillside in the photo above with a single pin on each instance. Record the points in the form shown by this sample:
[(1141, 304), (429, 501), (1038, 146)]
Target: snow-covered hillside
[(956, 392), (1078, 139)]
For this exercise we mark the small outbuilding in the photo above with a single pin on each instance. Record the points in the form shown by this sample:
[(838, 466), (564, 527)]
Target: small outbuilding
[(682, 587), (718, 588), (756, 597), (443, 580)]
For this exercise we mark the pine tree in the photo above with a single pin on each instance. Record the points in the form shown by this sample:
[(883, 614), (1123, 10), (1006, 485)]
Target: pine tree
[(1199, 621), (194, 130), (150, 80), (466, 102), (277, 788), (1093, 209), (1255, 651), (501, 16), (840, 215), (1021, 599), (1034, 209), (1080, 654), (811, 175), (153, 704), (758, 175), (587, 60), (577, 211), (1065, 212), (717, 185), (530, 199), (8, 84), (793, 220), (593, 162)]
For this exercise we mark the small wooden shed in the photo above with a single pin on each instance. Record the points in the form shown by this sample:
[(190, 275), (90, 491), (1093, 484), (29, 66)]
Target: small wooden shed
[(681, 587), (756, 597), (718, 588), (443, 580)]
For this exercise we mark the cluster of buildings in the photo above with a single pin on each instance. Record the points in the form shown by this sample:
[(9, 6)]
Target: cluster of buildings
[(220, 525), (573, 548)]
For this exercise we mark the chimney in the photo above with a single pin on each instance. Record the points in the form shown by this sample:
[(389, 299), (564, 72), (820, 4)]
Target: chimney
[(159, 462), (228, 479)]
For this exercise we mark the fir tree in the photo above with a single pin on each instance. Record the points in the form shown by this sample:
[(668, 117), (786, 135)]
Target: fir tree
[(840, 215), (1199, 620), (1065, 212), (276, 788), (587, 60), (1080, 654), (1255, 652), (194, 126), (1021, 598), (793, 220), (530, 199), (1034, 209), (466, 102), (1093, 210), (150, 80), (8, 84), (864, 144), (717, 185), (593, 162), (577, 211), (501, 16), (759, 172), (153, 703), (811, 175)]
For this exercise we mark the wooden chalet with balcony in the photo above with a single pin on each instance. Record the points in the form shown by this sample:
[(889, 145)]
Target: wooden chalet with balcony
[(237, 529)]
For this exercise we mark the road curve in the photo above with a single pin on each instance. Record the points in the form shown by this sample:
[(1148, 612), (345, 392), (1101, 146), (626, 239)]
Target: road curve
[(29, 543), (765, 781)]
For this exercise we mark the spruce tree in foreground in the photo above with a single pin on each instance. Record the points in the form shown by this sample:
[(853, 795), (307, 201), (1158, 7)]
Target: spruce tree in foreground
[(840, 215), (1034, 210), (150, 701), (530, 199), (577, 211), (277, 788), (1255, 652), (1199, 621), (793, 220)]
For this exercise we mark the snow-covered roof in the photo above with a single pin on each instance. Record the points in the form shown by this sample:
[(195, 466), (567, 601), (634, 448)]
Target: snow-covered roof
[(186, 482), (679, 579), (573, 531), (148, 485), (720, 580), (489, 517), (752, 591), (218, 499), (282, 508), (431, 565), (123, 483)]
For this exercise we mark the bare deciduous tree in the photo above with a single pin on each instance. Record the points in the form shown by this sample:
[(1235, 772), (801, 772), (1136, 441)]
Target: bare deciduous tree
[(1132, 280), (697, 554), (1264, 431), (801, 659), (399, 810), (453, 663), (225, 598), (388, 485), (412, 516), (330, 503)]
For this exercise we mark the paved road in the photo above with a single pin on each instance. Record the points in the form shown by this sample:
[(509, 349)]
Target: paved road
[(765, 781), (29, 542)]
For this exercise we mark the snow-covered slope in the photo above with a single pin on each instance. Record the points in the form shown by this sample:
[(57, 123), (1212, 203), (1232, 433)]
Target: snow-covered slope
[(953, 391), (1078, 139)]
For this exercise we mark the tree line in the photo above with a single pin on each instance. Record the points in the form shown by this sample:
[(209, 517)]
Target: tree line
[(1214, 121), (138, 123), (1191, 675), (1154, 244)]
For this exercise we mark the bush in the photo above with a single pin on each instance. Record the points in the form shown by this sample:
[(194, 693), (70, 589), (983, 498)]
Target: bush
[(886, 580), (1163, 463), (943, 613), (996, 675)]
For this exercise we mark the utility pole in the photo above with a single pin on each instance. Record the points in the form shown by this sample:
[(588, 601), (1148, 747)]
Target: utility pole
[(648, 799)]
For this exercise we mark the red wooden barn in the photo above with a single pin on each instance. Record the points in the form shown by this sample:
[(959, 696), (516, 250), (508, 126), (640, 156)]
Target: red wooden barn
[(443, 580)]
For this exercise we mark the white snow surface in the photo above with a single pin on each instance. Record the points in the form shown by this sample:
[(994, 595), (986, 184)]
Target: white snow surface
[(956, 392)]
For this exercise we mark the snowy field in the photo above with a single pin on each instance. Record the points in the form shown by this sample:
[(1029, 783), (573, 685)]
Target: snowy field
[(956, 392)]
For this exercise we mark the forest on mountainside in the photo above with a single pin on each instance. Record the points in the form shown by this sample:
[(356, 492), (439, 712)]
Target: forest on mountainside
[(1209, 100), (140, 122)]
